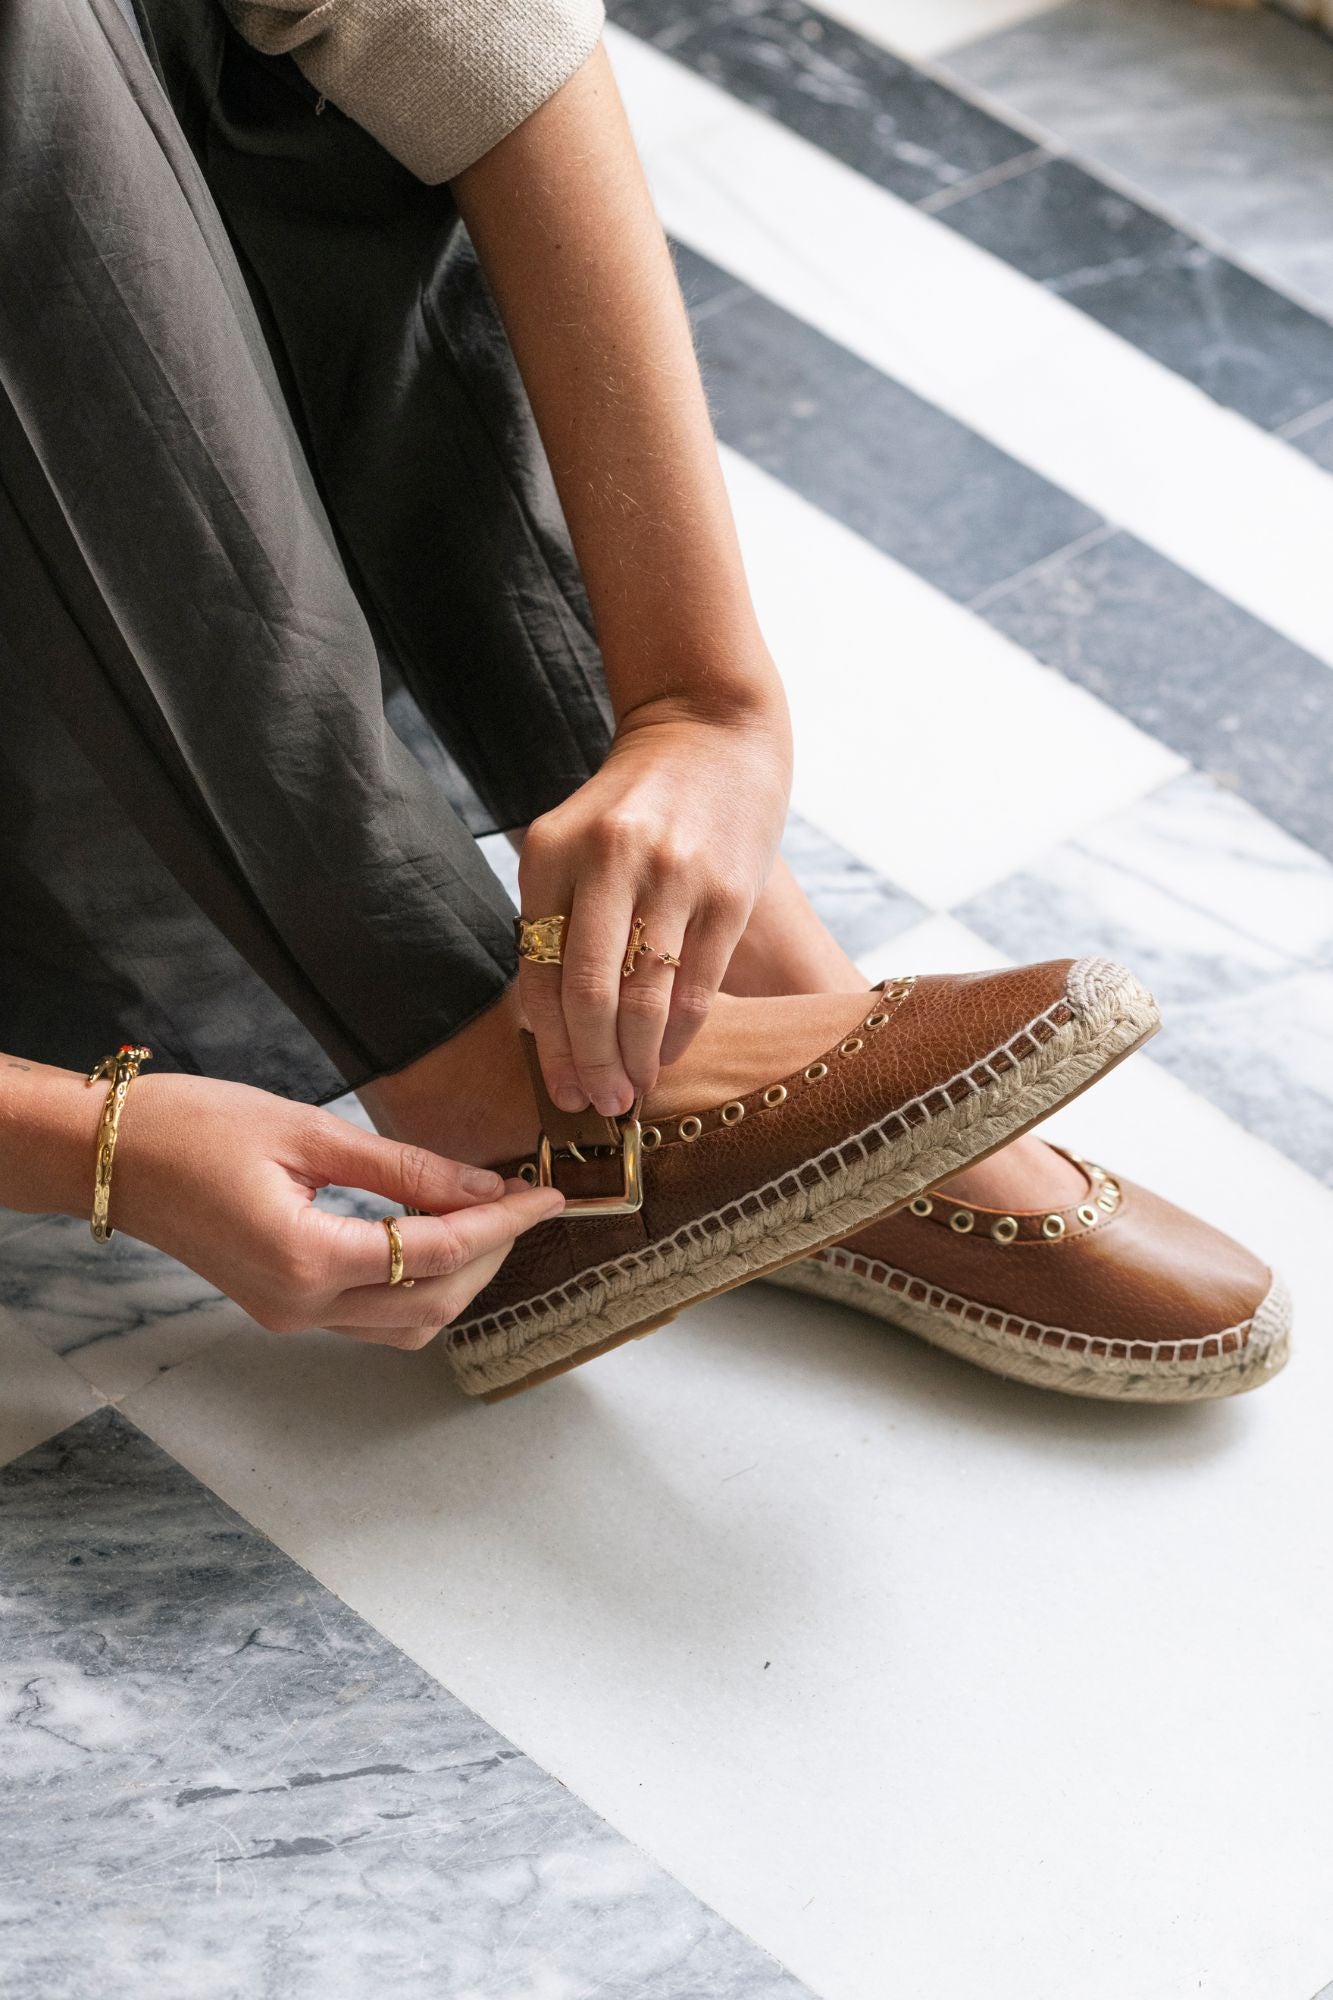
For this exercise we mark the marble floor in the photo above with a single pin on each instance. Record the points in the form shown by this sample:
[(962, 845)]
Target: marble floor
[(780, 1654)]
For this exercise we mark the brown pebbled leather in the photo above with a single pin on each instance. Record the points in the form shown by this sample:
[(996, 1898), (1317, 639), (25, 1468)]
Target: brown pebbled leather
[(1143, 1277), (934, 1033)]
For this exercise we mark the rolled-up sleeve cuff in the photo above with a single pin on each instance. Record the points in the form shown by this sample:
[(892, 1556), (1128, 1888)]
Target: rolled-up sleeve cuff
[(437, 82)]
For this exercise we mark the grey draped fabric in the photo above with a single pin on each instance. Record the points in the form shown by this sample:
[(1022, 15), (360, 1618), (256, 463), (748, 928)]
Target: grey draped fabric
[(265, 462)]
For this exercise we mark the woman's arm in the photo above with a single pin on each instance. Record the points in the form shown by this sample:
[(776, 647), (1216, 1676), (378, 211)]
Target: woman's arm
[(224, 1177), (682, 823)]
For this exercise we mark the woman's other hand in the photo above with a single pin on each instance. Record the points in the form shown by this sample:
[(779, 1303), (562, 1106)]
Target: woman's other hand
[(223, 1177)]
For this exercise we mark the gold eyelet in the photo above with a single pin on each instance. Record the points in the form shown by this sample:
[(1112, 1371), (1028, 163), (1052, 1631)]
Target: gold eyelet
[(1052, 1227), (650, 1138), (875, 1020), (815, 1071), (851, 1045), (527, 1172), (1106, 1202), (733, 1113), (775, 1094), (690, 1128), (1087, 1214), (923, 1205), (1005, 1229), (962, 1220)]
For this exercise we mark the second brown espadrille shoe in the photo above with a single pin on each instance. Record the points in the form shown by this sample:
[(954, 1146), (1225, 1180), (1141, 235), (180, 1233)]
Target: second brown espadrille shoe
[(937, 1072), (1119, 1295)]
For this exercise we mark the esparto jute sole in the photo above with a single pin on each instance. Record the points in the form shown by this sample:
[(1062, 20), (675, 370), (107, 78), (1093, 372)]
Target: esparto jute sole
[(1051, 1357), (863, 1177)]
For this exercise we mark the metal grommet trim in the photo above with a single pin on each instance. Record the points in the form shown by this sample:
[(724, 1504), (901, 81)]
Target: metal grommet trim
[(1106, 1202), (691, 1127), (650, 1138), (1053, 1227), (1087, 1214), (923, 1205), (1005, 1228), (875, 1020), (962, 1220), (815, 1071), (527, 1172), (733, 1113), (775, 1094), (851, 1045)]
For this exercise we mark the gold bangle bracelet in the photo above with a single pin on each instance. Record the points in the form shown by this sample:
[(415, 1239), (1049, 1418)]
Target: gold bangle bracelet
[(119, 1071)]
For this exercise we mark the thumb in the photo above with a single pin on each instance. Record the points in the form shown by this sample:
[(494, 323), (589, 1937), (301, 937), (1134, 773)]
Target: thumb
[(411, 1175)]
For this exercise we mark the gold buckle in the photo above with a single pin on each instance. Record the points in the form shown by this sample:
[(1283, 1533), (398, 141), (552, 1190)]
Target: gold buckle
[(629, 1201)]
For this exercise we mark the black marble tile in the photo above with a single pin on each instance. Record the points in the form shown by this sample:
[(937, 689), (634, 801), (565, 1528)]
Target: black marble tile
[(218, 1780), (846, 94), (920, 486), (1245, 344), (1190, 667)]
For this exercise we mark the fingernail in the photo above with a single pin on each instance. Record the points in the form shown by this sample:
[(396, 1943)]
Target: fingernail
[(612, 1104), (480, 1180), (570, 1098)]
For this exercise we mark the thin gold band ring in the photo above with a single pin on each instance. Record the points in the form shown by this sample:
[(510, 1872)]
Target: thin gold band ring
[(396, 1255)]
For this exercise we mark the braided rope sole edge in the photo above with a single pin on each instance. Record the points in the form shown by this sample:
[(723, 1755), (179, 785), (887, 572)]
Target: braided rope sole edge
[(1052, 1357), (1105, 1014)]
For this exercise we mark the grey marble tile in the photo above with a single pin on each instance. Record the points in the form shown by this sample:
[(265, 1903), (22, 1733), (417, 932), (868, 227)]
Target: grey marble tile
[(1221, 117), (1245, 344), (220, 1782), (911, 480), (844, 93), (1229, 920), (861, 907), (1189, 667)]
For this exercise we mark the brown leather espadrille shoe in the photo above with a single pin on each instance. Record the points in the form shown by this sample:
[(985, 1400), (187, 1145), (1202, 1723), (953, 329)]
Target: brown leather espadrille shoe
[(1120, 1296), (938, 1072)]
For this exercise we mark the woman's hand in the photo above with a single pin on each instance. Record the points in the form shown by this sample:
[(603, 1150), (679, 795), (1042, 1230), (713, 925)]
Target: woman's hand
[(223, 1177), (679, 827)]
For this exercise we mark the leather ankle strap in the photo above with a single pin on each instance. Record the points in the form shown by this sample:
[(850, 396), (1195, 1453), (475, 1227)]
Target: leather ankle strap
[(585, 1129)]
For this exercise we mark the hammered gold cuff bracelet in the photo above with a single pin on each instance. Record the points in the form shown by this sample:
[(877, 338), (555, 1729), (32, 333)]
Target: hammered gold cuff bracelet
[(119, 1071)]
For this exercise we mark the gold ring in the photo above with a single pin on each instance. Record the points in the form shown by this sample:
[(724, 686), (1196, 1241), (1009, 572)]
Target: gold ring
[(396, 1255), (638, 947), (541, 940)]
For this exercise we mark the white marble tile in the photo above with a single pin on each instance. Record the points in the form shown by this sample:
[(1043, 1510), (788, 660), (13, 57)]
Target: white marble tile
[(922, 28), (39, 1393), (926, 742), (852, 1638), (1022, 367)]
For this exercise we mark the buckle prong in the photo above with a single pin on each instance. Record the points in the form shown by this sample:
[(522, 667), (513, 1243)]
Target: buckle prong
[(629, 1201)]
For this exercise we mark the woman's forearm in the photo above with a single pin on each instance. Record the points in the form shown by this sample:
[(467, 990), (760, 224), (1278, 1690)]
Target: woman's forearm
[(564, 226), (48, 1138)]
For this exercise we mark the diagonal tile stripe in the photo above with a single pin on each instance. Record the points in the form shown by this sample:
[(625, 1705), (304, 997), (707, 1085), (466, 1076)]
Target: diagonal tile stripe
[(1061, 394), (1174, 656), (1220, 326)]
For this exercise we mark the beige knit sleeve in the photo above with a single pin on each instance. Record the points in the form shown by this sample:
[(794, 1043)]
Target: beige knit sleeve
[(437, 82)]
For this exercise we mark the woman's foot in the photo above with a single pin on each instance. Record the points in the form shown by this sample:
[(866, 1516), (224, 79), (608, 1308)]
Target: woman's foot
[(1113, 1293), (792, 1122)]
